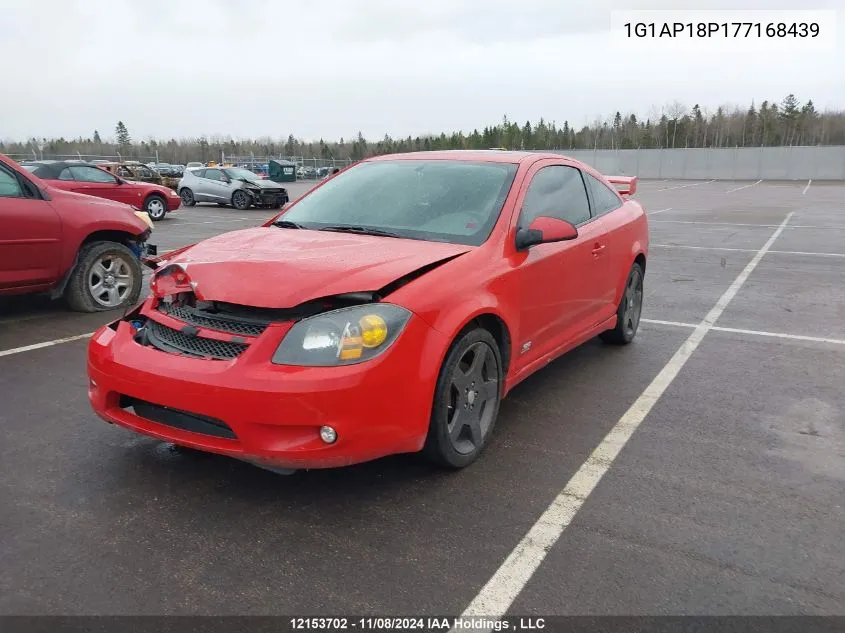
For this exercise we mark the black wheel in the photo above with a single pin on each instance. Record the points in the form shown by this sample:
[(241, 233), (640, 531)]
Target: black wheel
[(107, 277), (629, 311), (187, 196), (156, 207), (241, 200), (466, 400)]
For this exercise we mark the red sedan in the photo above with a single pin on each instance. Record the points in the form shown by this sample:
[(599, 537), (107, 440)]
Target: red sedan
[(387, 311), (156, 200)]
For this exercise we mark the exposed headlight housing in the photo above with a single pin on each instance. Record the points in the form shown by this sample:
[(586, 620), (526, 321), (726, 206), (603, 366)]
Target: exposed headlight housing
[(342, 337)]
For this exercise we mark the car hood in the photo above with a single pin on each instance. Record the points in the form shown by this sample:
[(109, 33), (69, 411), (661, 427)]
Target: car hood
[(263, 184), (272, 267)]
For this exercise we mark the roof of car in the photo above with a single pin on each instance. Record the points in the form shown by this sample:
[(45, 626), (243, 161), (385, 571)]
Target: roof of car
[(488, 155)]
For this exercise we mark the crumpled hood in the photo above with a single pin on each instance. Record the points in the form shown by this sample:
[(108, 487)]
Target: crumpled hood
[(264, 184), (272, 267)]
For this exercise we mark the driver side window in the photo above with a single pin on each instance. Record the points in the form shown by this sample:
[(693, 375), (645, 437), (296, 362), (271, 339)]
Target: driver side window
[(557, 191), (9, 185), (214, 174)]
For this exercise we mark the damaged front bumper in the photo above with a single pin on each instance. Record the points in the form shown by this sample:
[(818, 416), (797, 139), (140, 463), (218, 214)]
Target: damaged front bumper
[(270, 415)]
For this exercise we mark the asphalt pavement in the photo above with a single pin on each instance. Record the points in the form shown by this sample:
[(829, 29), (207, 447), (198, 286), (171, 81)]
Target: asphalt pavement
[(725, 495)]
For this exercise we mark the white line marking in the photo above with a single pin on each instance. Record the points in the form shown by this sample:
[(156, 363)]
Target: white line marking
[(759, 226), (496, 597), (809, 182), (747, 250), (258, 220), (695, 184), (733, 330), (670, 323), (658, 211), (744, 187), (29, 348)]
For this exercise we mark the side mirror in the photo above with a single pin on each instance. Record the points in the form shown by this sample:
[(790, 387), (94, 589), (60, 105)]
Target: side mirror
[(544, 230)]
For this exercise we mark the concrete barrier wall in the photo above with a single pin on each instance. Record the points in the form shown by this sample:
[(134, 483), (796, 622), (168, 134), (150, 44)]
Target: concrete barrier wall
[(741, 163)]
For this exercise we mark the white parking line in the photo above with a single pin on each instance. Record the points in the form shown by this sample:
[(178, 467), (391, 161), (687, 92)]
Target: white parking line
[(759, 226), (746, 250), (716, 328), (658, 211), (29, 348), (258, 220), (496, 597), (809, 182), (744, 187), (695, 184)]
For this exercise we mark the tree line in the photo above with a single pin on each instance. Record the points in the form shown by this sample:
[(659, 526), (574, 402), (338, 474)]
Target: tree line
[(769, 123)]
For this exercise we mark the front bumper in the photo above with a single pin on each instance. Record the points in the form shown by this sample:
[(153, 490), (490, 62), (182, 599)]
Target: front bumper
[(173, 201), (273, 413)]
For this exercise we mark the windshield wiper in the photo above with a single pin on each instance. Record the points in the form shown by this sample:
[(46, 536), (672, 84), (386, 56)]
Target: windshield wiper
[(362, 230), (287, 224)]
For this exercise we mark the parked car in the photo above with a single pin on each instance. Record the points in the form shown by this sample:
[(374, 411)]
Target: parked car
[(230, 185), (80, 177), (82, 248), (194, 164), (141, 173), (388, 310)]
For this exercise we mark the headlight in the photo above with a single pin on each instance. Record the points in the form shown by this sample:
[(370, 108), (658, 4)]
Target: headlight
[(342, 337)]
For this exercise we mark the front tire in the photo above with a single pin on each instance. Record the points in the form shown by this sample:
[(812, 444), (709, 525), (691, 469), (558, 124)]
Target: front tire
[(107, 277), (629, 310), (466, 401), (241, 200), (156, 207)]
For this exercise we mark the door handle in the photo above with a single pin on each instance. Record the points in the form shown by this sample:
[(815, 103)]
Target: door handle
[(598, 248)]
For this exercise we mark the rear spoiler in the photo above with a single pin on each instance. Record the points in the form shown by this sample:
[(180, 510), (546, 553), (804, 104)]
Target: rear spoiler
[(625, 185)]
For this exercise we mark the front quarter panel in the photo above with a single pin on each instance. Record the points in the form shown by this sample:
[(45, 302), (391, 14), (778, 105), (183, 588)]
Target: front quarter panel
[(459, 291)]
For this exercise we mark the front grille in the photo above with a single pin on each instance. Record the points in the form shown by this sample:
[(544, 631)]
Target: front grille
[(220, 322), (193, 422), (169, 340)]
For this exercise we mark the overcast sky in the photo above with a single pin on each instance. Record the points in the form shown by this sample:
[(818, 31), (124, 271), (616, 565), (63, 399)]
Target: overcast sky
[(329, 68)]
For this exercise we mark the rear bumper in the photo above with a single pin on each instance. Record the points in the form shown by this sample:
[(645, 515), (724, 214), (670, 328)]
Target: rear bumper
[(273, 413)]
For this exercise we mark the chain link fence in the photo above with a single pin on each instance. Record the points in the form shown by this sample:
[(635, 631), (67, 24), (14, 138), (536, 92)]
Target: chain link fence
[(88, 158)]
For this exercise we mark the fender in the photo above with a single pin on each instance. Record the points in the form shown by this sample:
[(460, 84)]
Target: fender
[(59, 289), (636, 250)]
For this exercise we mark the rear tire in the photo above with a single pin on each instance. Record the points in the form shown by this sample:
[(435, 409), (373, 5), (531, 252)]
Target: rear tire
[(629, 310), (107, 277), (466, 401)]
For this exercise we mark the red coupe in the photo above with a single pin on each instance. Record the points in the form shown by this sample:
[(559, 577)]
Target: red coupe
[(156, 200), (389, 310)]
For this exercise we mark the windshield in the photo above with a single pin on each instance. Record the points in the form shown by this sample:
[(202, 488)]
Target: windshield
[(437, 200), (236, 173)]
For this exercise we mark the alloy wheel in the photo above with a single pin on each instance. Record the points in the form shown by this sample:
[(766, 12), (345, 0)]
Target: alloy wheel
[(473, 394), (110, 281)]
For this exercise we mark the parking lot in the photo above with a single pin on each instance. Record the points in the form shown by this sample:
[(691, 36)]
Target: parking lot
[(697, 471)]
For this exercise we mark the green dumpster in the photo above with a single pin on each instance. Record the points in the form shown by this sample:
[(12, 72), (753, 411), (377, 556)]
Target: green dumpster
[(282, 171)]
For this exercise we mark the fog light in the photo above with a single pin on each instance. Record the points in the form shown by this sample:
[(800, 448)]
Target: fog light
[(328, 434)]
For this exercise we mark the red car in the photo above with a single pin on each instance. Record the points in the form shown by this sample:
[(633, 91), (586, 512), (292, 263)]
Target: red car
[(156, 200), (389, 310), (85, 249)]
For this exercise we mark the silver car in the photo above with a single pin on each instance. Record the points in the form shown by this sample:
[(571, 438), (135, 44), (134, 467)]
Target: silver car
[(230, 186)]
